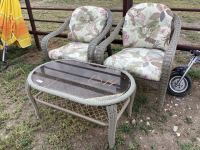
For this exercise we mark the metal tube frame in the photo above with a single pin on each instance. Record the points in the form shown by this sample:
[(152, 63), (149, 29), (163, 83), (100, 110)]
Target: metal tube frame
[(126, 5), (192, 61), (4, 63)]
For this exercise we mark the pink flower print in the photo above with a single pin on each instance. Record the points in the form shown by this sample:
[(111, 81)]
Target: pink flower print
[(125, 37), (102, 11), (146, 76), (162, 31), (155, 70), (91, 29), (74, 15), (138, 15), (169, 23), (76, 45)]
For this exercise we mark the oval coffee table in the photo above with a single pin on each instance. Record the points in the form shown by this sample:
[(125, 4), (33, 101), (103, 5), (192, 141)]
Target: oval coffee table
[(94, 92)]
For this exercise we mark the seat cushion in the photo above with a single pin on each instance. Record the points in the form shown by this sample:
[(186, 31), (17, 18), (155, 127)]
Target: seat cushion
[(75, 50), (142, 62), (87, 23), (148, 25)]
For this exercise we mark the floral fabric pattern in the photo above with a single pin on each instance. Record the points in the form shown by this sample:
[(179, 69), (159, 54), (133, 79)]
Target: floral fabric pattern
[(147, 25), (87, 23), (145, 63), (74, 50)]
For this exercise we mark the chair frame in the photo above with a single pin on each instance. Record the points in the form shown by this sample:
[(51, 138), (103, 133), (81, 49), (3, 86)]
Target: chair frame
[(92, 44), (161, 85)]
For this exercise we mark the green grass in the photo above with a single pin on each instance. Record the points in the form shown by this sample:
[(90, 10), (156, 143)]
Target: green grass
[(140, 101), (125, 128), (152, 148), (194, 73), (194, 37), (164, 117), (179, 59), (189, 146), (15, 51), (3, 115), (194, 139), (57, 126), (190, 19), (188, 120), (133, 145), (116, 48), (170, 113)]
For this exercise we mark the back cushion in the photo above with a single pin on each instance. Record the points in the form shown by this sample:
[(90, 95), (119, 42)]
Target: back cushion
[(148, 25), (87, 23)]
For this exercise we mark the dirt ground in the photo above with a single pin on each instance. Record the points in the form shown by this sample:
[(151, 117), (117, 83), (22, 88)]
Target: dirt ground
[(160, 137)]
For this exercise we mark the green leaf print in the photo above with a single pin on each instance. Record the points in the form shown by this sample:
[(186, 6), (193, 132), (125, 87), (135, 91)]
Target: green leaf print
[(141, 34), (103, 22), (125, 23), (152, 23), (135, 67), (80, 24), (79, 14), (81, 39), (135, 54), (155, 31), (90, 13), (81, 54)]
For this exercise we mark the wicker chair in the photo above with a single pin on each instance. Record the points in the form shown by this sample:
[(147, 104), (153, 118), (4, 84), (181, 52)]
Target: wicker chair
[(167, 59), (88, 25)]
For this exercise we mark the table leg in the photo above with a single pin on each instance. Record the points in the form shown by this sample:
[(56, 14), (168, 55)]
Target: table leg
[(112, 115), (28, 92), (130, 106)]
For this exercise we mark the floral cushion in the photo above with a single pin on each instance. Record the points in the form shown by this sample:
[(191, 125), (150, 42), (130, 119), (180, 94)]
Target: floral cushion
[(74, 50), (142, 62), (147, 25), (87, 23)]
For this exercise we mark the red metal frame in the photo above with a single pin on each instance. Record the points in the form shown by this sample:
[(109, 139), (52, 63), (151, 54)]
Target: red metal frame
[(127, 4)]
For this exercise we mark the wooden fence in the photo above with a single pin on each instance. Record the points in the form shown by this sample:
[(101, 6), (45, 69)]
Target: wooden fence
[(127, 4)]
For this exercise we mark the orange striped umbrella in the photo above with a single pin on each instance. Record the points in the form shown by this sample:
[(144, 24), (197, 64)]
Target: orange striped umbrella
[(13, 29)]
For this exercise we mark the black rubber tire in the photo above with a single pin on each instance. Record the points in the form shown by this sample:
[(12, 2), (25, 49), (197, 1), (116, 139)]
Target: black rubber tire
[(186, 91)]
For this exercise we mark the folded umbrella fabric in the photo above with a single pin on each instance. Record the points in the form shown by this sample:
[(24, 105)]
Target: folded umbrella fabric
[(13, 29)]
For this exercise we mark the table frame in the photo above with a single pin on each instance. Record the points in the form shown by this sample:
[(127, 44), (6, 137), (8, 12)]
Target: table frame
[(113, 116)]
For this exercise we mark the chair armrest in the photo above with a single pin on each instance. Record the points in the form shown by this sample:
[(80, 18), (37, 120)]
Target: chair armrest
[(45, 40), (101, 48), (169, 54), (95, 42)]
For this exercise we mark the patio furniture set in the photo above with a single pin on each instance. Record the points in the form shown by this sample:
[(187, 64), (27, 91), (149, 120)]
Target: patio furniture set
[(85, 85)]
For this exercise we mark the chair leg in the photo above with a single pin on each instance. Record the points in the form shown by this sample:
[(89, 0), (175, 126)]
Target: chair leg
[(109, 46), (130, 106), (28, 92), (112, 115), (162, 92)]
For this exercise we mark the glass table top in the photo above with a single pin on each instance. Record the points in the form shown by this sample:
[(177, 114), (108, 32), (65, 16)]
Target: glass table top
[(84, 80)]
